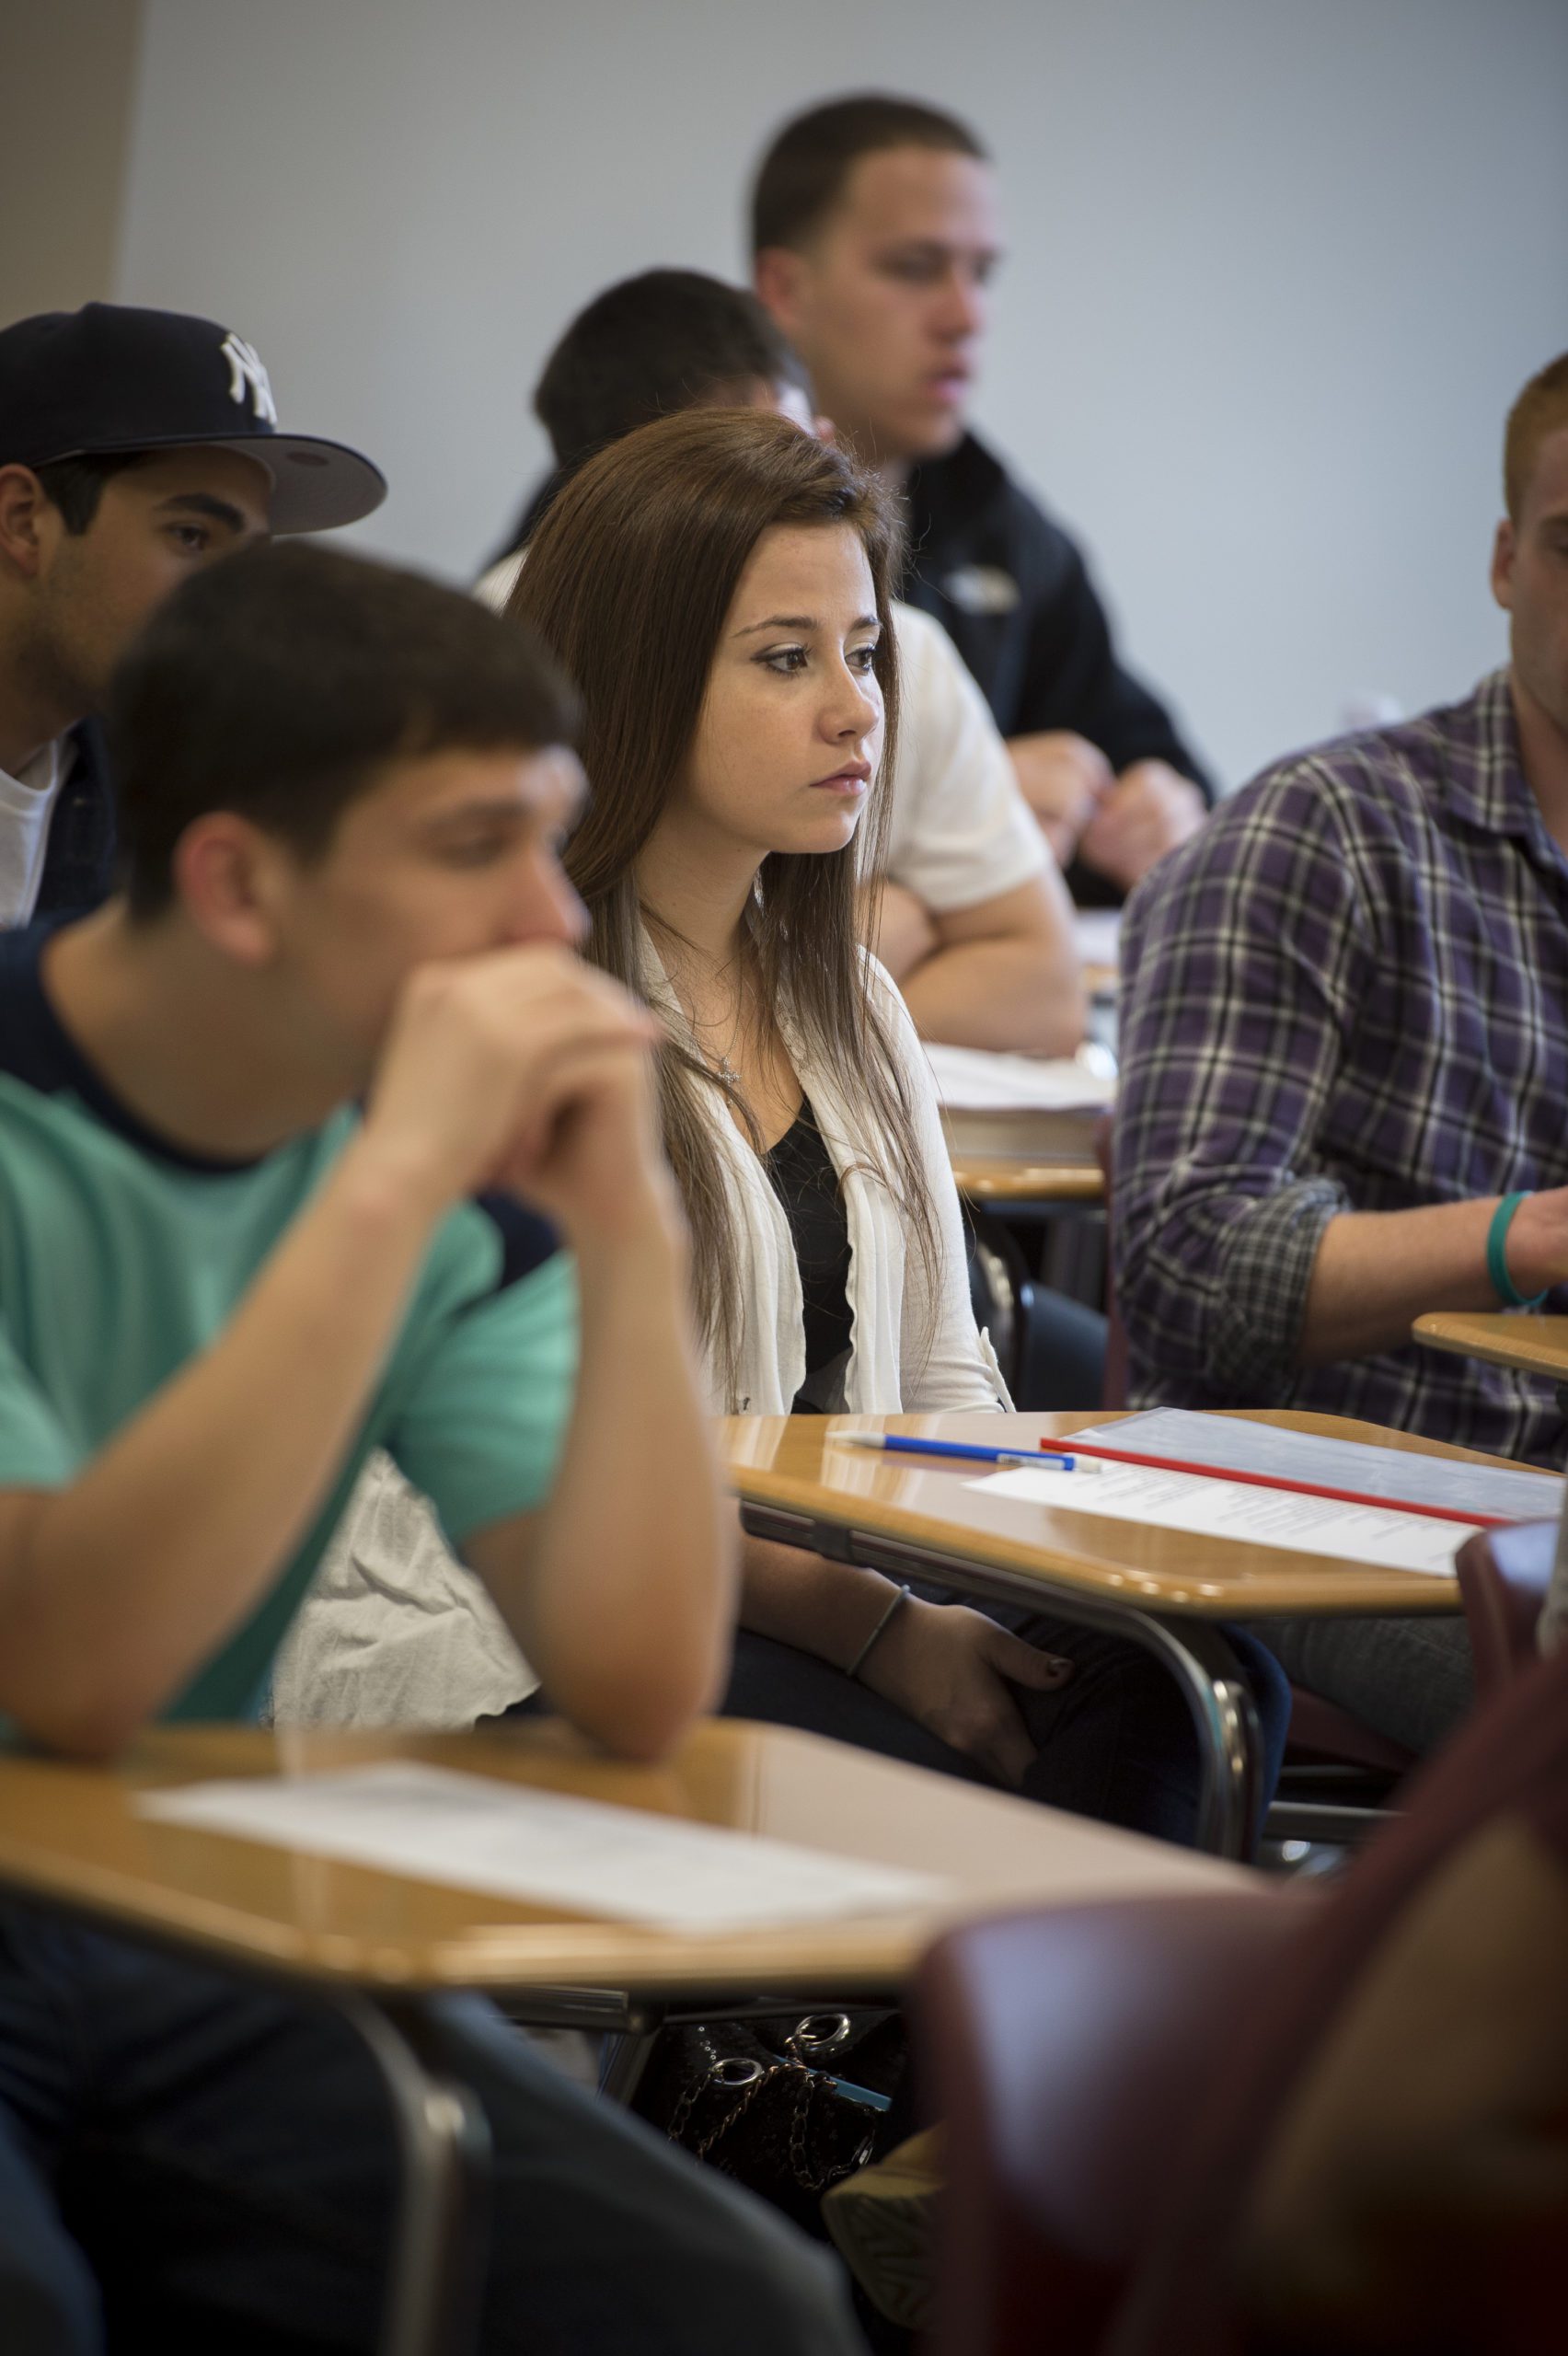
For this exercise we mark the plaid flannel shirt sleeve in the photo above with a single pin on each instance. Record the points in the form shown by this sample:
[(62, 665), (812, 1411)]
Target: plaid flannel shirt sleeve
[(1244, 957)]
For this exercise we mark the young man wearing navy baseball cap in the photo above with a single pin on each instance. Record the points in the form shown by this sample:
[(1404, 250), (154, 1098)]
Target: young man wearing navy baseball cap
[(135, 448)]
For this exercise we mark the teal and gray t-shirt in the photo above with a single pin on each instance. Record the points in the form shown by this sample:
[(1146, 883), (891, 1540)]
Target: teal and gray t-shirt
[(122, 1257)]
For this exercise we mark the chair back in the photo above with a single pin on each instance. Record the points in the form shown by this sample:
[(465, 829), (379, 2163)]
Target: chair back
[(1403, 2069), (1062, 2052), (1503, 1577)]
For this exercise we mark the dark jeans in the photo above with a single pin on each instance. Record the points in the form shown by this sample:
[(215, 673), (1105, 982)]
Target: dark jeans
[(1411, 1680), (1116, 1743), (190, 2165)]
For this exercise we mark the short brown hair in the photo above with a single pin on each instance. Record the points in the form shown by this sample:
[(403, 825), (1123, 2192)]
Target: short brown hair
[(667, 341), (75, 485), (278, 683), (802, 175), (1542, 408)]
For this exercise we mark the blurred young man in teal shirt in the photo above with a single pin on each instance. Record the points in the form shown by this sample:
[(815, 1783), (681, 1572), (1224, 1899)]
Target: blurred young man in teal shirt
[(318, 1138)]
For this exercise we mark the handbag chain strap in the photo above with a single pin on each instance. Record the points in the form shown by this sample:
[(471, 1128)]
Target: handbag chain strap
[(747, 2090)]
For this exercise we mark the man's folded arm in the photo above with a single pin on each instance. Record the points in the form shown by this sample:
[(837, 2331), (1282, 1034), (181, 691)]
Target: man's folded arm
[(119, 1575), (1004, 973)]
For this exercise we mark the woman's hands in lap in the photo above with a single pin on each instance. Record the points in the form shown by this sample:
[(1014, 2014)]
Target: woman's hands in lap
[(950, 1669)]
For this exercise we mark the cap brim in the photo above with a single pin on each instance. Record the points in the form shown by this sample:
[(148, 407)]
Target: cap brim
[(316, 485)]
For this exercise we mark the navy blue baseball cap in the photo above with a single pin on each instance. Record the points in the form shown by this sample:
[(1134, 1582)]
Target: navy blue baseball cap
[(108, 380)]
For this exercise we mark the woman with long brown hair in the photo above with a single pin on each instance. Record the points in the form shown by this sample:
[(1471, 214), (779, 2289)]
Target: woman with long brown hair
[(732, 757), (718, 585)]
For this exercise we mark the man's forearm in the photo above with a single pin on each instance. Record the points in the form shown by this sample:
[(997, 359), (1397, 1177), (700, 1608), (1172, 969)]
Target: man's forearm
[(895, 925), (625, 1603), (1001, 994), (1377, 1271), (114, 1589)]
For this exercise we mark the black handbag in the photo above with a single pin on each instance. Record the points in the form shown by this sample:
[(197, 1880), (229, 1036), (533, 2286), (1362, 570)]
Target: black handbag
[(786, 2107)]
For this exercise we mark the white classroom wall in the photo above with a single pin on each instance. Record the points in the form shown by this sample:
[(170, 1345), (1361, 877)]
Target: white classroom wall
[(67, 69), (1277, 266)]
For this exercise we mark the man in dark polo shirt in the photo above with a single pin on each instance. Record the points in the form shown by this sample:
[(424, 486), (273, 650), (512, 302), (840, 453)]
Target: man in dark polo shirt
[(874, 234), (135, 448)]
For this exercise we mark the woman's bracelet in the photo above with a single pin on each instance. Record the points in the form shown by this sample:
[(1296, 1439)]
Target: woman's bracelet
[(1503, 1283), (864, 1654)]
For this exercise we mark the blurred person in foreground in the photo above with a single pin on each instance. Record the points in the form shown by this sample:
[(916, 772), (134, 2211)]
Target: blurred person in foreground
[(318, 1136)]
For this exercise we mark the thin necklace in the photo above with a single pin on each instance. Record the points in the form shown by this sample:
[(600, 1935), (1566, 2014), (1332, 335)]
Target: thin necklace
[(718, 1065)]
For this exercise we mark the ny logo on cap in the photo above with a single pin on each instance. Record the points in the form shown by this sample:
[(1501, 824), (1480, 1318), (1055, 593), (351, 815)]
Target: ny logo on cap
[(245, 368)]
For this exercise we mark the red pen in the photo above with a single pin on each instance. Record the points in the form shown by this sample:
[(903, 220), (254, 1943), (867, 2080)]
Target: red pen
[(1273, 1480)]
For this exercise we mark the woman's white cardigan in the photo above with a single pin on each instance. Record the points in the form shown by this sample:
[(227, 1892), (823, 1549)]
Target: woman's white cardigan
[(394, 1632), (915, 1342)]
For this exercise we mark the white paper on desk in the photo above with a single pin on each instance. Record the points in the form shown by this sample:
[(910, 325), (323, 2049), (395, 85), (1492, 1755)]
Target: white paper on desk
[(544, 1848), (973, 1079), (1096, 935), (1379, 1539), (1394, 1475)]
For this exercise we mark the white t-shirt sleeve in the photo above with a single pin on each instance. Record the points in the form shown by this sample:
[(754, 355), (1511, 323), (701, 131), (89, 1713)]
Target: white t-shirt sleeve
[(960, 831), (494, 587)]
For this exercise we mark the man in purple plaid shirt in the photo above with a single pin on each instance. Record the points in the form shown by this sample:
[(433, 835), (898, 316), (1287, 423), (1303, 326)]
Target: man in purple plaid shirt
[(1344, 1049)]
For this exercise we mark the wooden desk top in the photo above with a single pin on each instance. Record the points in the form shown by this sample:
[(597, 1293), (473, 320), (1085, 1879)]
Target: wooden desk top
[(991, 1180), (1533, 1344), (790, 1462), (70, 1834), (1025, 1157)]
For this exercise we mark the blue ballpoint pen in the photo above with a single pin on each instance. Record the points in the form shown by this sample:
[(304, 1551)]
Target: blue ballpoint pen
[(897, 1444)]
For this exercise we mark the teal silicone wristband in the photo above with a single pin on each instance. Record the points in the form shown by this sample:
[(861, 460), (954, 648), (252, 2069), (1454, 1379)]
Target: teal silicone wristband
[(1503, 1283)]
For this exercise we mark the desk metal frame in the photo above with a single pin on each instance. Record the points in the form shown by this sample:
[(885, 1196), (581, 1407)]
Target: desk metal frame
[(1193, 1650)]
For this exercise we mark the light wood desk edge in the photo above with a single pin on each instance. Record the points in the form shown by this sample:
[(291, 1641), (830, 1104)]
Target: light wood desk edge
[(984, 1180), (71, 1837), (1529, 1345), (1104, 1559)]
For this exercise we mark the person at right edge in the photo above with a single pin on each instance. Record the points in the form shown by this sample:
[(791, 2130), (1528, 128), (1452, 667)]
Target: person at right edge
[(874, 235), (1344, 1063)]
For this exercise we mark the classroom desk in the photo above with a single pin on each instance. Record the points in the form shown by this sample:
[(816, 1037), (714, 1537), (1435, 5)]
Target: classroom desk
[(379, 1946), (1160, 1589), (1025, 1157), (1533, 1344), (1030, 1167)]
